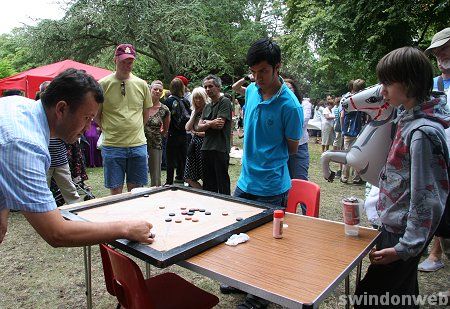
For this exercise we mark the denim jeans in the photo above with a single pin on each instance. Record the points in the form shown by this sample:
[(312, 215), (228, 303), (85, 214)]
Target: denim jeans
[(299, 163), (279, 200)]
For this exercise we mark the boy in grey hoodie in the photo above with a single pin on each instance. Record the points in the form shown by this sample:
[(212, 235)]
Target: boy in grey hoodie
[(414, 182)]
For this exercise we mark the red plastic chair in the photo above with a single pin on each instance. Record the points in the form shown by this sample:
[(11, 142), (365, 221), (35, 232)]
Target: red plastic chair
[(166, 290), (304, 192)]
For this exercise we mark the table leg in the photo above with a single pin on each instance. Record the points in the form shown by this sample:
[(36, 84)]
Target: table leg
[(148, 270), (87, 273), (358, 274), (347, 291)]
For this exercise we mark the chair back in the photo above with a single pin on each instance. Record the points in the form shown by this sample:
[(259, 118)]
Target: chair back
[(107, 270), (304, 192), (127, 281)]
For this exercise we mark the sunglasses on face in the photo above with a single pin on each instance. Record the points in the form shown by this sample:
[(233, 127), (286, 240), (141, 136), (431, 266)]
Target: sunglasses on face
[(122, 88)]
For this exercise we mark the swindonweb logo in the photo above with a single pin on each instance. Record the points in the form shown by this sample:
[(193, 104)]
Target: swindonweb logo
[(393, 300)]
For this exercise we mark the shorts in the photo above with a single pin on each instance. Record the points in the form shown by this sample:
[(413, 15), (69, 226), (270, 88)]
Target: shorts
[(121, 161)]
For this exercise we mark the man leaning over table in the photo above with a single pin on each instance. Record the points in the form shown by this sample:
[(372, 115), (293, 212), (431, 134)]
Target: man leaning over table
[(65, 111), (273, 127)]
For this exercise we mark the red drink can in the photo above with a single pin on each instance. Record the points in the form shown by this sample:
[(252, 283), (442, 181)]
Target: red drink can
[(351, 210)]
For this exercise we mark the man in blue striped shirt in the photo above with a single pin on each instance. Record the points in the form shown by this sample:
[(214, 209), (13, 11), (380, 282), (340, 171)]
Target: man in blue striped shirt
[(65, 111)]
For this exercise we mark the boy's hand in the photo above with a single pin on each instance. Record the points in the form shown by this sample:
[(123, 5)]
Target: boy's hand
[(383, 257)]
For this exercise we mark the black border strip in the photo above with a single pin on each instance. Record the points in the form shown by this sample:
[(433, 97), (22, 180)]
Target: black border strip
[(187, 250)]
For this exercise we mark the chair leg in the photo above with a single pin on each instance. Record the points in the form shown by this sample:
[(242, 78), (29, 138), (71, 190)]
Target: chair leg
[(148, 271), (347, 291), (87, 273)]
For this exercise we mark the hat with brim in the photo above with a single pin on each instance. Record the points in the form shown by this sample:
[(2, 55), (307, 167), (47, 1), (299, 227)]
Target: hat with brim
[(125, 51), (439, 39)]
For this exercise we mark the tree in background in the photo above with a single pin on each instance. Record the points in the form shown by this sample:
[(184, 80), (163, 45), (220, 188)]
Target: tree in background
[(325, 43), (14, 57), (192, 38), (344, 40)]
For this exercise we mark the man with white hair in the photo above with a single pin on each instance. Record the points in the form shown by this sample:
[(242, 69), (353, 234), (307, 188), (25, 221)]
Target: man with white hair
[(216, 123), (440, 48)]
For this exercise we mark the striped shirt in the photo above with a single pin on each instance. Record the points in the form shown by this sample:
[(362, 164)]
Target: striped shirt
[(24, 156), (58, 152)]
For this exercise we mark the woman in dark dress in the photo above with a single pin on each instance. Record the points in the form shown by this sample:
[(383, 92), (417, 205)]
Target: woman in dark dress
[(193, 171)]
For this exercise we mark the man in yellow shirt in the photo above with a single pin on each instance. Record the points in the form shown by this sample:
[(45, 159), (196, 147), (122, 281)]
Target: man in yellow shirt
[(122, 117)]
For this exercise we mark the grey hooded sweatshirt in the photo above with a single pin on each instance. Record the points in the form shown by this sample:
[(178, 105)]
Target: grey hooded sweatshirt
[(414, 182)]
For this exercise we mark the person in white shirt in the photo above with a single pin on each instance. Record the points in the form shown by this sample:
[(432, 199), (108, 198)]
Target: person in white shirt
[(327, 125)]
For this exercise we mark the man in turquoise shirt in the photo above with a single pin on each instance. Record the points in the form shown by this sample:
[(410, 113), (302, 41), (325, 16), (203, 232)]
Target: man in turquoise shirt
[(273, 127)]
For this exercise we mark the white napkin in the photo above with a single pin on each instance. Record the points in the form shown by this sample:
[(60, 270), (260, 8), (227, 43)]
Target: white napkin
[(236, 239)]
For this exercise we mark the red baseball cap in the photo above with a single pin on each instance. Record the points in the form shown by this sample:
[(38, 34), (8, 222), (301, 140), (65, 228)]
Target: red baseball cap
[(183, 79), (125, 51)]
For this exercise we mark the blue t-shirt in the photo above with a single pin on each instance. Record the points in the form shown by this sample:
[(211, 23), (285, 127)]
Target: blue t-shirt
[(445, 81), (267, 126), (24, 156)]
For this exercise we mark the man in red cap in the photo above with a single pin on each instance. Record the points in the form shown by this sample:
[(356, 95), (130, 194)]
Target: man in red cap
[(122, 118), (183, 79)]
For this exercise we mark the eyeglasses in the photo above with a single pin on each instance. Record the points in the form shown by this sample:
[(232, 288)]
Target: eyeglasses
[(122, 88)]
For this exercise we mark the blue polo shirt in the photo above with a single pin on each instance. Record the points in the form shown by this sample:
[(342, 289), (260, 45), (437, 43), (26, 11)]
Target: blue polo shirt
[(24, 156), (267, 126)]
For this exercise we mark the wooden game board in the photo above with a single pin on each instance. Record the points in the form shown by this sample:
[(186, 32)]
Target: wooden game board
[(176, 241)]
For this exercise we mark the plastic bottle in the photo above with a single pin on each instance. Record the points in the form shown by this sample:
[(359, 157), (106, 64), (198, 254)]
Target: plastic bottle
[(350, 208), (278, 218)]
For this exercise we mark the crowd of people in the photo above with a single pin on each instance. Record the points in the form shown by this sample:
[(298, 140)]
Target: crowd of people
[(339, 128), (193, 130)]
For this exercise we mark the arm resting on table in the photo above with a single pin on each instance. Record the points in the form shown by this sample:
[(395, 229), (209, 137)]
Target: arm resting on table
[(58, 232)]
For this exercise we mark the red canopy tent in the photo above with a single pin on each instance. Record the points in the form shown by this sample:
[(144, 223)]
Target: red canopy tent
[(30, 80)]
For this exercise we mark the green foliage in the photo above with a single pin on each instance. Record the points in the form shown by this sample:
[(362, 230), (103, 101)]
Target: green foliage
[(347, 38), (325, 43), (5, 68), (193, 38), (14, 57)]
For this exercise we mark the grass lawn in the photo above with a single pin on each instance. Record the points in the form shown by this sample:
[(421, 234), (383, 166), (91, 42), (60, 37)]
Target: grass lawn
[(35, 275)]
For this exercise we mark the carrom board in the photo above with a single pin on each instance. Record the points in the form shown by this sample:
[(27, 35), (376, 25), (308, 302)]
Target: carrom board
[(217, 217)]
